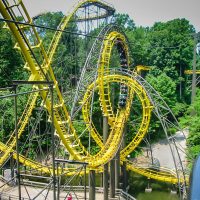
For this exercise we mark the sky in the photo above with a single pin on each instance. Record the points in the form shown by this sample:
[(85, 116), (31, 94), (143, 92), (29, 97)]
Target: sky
[(143, 12)]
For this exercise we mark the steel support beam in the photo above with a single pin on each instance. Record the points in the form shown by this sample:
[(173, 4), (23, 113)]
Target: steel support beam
[(12, 167), (53, 142), (112, 178), (124, 176), (123, 168), (105, 172), (92, 185), (17, 142), (117, 170)]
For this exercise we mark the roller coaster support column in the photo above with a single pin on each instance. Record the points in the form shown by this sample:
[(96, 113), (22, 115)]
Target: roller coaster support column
[(92, 185), (59, 176), (58, 180), (124, 172), (17, 141), (53, 141), (124, 176), (50, 85), (12, 167), (112, 178), (105, 172), (117, 169), (112, 162), (85, 191)]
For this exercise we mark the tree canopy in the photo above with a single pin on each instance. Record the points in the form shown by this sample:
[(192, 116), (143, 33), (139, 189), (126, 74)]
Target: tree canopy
[(167, 47)]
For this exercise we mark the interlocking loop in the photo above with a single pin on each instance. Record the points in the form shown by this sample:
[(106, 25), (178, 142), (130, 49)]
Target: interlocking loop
[(63, 125)]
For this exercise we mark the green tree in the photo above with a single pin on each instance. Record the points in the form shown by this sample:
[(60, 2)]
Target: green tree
[(124, 21), (49, 19), (171, 50), (138, 39), (193, 125), (165, 86), (11, 64)]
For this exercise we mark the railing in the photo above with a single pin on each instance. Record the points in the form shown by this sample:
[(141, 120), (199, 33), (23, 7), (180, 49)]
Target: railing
[(119, 192), (11, 197), (125, 195)]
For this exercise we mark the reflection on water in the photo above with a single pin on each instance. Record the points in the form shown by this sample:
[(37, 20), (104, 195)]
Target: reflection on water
[(155, 195), (160, 190)]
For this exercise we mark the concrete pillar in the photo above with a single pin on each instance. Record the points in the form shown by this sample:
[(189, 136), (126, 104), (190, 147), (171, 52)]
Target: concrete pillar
[(105, 173), (92, 185)]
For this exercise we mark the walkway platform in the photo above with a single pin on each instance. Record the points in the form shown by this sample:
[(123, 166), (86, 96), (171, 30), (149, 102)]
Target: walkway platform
[(30, 192)]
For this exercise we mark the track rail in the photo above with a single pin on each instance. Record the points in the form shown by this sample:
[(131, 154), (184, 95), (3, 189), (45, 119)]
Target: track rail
[(40, 69)]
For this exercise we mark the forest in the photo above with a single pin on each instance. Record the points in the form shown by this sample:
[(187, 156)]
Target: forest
[(166, 48)]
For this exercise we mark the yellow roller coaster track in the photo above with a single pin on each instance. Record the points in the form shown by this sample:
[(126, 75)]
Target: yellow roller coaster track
[(61, 117), (161, 174), (40, 70), (189, 72), (146, 112), (7, 11), (113, 39)]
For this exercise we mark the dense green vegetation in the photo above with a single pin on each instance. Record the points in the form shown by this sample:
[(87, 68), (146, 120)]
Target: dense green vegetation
[(11, 65), (166, 47), (191, 121)]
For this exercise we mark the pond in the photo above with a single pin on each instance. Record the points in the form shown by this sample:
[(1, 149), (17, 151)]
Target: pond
[(160, 190), (157, 195)]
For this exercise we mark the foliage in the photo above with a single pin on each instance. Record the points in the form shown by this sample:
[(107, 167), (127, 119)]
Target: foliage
[(165, 86), (11, 68), (50, 20), (191, 121), (170, 50), (124, 21), (10, 59), (166, 47)]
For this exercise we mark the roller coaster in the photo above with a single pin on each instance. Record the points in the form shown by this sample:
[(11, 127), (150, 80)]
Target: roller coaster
[(97, 76)]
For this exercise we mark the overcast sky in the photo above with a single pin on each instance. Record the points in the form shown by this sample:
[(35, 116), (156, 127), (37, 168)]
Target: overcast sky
[(143, 12)]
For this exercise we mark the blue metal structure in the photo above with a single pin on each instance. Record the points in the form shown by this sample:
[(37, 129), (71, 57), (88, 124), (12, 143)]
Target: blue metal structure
[(195, 181)]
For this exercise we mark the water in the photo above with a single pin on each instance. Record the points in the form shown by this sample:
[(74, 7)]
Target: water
[(156, 195), (160, 190)]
